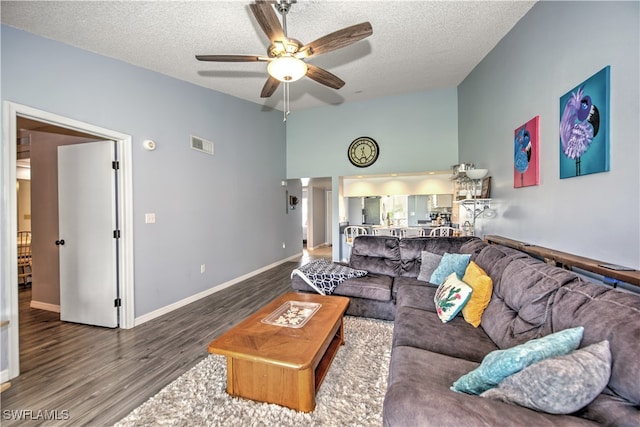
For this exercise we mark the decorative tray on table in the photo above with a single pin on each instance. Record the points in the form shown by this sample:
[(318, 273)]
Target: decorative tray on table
[(292, 314)]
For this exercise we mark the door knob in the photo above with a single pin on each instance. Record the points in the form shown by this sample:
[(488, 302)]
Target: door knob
[(59, 242)]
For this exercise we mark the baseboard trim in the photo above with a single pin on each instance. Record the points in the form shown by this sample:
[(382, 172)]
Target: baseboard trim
[(321, 245), (45, 306), (178, 304)]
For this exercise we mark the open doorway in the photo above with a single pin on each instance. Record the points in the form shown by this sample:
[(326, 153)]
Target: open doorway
[(316, 212), (15, 115)]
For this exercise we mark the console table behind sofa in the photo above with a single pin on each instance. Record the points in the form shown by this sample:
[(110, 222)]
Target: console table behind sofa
[(568, 261)]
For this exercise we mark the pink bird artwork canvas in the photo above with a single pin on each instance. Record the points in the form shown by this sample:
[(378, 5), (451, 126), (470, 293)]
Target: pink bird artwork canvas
[(525, 154), (584, 127)]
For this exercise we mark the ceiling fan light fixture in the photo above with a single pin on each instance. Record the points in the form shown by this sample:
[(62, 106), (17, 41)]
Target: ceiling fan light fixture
[(287, 69)]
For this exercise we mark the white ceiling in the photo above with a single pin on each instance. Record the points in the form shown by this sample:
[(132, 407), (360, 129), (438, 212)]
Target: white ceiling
[(415, 46)]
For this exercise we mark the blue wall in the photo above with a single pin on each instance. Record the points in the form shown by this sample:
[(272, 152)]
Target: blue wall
[(416, 133), (204, 205), (555, 47)]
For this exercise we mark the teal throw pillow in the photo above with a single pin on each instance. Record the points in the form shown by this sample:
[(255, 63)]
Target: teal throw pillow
[(499, 364), (450, 297), (558, 385), (450, 263)]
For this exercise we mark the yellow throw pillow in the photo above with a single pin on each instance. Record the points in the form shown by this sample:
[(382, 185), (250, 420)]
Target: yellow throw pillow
[(482, 286)]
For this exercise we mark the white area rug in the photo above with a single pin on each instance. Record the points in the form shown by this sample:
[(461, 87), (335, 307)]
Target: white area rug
[(351, 394)]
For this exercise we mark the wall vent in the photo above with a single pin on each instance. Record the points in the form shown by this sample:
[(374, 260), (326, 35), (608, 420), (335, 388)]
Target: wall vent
[(202, 145)]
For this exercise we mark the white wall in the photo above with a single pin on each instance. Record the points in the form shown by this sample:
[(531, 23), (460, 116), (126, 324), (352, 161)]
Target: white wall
[(556, 46)]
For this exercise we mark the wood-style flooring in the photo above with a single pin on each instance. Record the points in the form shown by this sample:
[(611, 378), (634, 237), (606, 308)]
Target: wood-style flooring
[(92, 376)]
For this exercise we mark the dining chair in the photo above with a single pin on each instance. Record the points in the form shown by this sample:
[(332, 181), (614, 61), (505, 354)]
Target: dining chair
[(353, 231), (412, 232), (350, 233), (24, 257), (383, 232), (443, 232)]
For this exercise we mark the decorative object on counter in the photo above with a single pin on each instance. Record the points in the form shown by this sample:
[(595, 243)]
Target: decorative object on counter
[(584, 127), (475, 175), (485, 191), (525, 157), (472, 178), (472, 182)]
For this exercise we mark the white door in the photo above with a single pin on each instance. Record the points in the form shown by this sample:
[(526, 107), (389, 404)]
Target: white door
[(87, 221)]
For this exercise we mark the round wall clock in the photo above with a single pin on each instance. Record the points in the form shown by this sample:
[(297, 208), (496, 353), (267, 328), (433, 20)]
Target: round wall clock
[(363, 152)]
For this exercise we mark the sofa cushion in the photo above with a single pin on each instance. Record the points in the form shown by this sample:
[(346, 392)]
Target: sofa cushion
[(372, 286), (428, 265), (401, 281), (450, 263), (494, 259), (607, 314), (417, 296), (418, 394), (473, 247), (482, 287), (411, 250), (450, 297), (423, 329), (558, 385), (499, 364), (376, 254), (521, 303), (611, 410)]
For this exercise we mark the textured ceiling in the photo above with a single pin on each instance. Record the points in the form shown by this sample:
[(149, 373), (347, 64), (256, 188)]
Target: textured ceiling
[(415, 46)]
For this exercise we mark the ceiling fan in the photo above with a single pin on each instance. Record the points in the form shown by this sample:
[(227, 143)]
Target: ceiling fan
[(286, 55)]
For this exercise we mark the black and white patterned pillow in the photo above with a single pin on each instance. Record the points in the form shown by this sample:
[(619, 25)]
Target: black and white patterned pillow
[(325, 276)]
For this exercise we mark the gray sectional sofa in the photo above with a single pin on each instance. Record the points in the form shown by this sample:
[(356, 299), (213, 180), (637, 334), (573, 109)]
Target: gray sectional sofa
[(391, 263), (530, 300)]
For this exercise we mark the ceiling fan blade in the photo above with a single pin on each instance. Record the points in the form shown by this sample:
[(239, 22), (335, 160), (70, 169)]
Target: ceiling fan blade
[(324, 77), (336, 40), (269, 87), (268, 20), (231, 58)]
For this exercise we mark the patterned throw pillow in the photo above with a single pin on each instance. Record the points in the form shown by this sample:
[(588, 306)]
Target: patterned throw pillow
[(324, 276), (450, 297), (482, 286), (450, 263), (499, 364), (428, 265), (558, 385)]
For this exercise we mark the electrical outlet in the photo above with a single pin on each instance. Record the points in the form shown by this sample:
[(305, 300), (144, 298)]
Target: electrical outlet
[(202, 268), (284, 246), (150, 218)]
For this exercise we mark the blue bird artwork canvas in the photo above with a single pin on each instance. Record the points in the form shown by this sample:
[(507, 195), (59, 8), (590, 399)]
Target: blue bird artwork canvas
[(525, 154), (584, 127)]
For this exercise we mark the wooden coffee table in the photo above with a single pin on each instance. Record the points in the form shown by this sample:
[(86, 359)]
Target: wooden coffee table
[(280, 364)]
